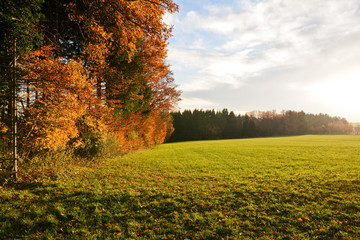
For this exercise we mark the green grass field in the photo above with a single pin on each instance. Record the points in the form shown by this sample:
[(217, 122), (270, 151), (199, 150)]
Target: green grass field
[(305, 187)]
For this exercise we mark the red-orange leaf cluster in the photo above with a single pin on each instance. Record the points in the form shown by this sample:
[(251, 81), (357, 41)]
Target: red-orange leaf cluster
[(101, 71)]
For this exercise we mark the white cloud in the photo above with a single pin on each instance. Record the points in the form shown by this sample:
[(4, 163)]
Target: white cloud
[(233, 45), (197, 103), (197, 84)]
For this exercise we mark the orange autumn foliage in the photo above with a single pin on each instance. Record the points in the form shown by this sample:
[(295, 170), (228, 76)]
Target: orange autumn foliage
[(62, 93), (101, 72)]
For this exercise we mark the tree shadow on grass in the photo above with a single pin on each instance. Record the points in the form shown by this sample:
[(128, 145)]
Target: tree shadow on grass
[(52, 212), (15, 185)]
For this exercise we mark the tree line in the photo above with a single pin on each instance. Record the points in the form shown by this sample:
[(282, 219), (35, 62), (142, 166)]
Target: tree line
[(86, 70), (211, 124)]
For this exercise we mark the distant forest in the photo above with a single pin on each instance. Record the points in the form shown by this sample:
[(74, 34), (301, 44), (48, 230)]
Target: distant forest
[(211, 124)]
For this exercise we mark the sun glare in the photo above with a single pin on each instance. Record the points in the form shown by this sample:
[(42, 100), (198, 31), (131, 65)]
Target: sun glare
[(340, 91)]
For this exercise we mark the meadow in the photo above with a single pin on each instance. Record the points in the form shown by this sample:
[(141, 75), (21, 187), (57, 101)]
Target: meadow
[(304, 187)]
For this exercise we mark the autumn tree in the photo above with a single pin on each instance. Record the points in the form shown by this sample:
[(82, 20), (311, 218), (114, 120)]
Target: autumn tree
[(61, 93), (101, 70), (18, 35)]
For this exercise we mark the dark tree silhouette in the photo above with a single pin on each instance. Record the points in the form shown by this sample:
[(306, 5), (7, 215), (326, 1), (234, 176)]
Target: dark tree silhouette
[(211, 125)]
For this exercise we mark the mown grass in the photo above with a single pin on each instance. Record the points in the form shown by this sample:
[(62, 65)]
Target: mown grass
[(305, 187)]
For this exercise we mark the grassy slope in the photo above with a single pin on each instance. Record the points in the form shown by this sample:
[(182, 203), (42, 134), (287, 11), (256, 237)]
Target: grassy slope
[(281, 188)]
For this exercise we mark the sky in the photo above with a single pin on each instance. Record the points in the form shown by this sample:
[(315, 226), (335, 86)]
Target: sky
[(265, 55)]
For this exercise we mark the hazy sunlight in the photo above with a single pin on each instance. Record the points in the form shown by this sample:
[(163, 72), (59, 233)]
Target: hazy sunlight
[(341, 91)]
